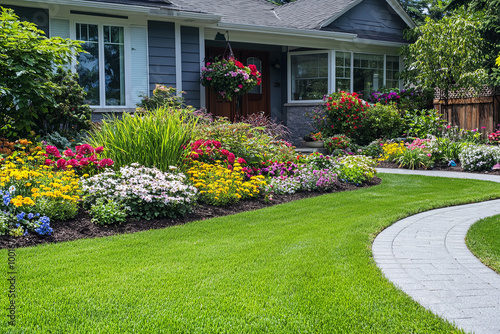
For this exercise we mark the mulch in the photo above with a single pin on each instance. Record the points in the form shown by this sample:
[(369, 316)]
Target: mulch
[(81, 227)]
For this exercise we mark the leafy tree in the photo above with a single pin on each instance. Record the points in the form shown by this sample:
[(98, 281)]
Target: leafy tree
[(489, 19), (447, 54), (27, 63), (419, 10)]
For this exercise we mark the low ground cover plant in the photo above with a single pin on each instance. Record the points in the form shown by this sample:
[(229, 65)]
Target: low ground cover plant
[(144, 192)]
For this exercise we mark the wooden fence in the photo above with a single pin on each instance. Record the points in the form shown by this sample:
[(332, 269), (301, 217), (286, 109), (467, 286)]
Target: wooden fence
[(470, 113)]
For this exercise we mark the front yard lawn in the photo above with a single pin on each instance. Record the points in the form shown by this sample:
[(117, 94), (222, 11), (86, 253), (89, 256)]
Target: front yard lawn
[(484, 242), (300, 267)]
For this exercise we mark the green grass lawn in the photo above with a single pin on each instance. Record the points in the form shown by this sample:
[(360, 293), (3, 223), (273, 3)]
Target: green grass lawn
[(483, 240), (300, 267)]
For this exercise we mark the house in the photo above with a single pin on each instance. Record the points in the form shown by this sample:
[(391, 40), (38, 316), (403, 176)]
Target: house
[(304, 49)]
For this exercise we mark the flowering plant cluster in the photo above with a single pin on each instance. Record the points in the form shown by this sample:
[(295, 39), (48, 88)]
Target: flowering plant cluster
[(230, 78), (219, 185), (337, 142), (356, 169), (314, 137), (145, 193), (479, 157), (404, 99), (39, 188), (345, 113), (23, 223), (494, 137), (211, 151), (84, 159)]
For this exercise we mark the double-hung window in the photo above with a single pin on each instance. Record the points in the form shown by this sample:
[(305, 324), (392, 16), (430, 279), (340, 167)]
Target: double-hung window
[(102, 67)]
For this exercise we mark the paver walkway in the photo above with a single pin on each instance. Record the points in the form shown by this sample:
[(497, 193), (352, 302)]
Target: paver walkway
[(425, 255)]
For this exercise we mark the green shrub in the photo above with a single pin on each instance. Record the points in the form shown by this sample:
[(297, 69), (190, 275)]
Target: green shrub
[(163, 97), (55, 208), (158, 138), (246, 141), (443, 149), (107, 212), (356, 169), (421, 123), (27, 73), (62, 142), (382, 121)]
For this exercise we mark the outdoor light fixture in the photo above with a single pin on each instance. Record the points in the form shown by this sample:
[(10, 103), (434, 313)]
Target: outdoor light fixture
[(220, 37)]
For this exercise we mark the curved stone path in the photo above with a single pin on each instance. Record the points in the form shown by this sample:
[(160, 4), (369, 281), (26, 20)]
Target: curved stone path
[(425, 255)]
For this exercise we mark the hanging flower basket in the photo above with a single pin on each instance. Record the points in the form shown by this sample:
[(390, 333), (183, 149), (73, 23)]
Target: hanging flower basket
[(229, 78)]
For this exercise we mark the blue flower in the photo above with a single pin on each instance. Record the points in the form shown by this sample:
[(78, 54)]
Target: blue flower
[(20, 216), (30, 215), (6, 198), (44, 220), (25, 233)]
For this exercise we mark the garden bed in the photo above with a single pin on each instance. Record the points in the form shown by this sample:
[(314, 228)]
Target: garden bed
[(81, 227)]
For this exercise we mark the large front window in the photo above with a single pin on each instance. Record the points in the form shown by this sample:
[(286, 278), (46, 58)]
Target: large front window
[(309, 76), (312, 78), (102, 67)]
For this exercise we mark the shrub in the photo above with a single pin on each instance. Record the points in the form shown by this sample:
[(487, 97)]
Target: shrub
[(373, 150), (479, 157), (344, 114), (421, 123), (159, 138), (163, 97), (27, 83), (380, 122), (246, 142), (64, 141), (70, 114), (219, 185), (356, 169), (337, 142), (107, 212), (146, 193), (404, 99), (261, 122)]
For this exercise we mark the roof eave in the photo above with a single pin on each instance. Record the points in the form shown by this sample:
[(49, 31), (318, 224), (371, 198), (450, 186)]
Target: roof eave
[(288, 31)]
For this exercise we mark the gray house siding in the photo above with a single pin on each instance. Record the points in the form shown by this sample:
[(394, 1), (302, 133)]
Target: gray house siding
[(373, 19), (190, 52), (38, 16), (161, 42)]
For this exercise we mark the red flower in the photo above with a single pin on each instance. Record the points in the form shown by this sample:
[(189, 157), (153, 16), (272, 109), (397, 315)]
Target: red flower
[(84, 162), (61, 164), (53, 150), (72, 162), (84, 149), (225, 152), (259, 80), (69, 153), (230, 158), (49, 162), (241, 161), (99, 149), (239, 64), (105, 163)]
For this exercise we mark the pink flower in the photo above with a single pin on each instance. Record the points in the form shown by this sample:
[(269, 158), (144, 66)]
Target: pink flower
[(240, 86), (225, 152), (230, 158), (429, 154), (53, 150), (105, 163), (61, 164), (84, 149), (79, 156), (99, 149), (72, 162), (49, 162), (93, 159), (69, 153), (241, 161), (84, 162), (449, 126)]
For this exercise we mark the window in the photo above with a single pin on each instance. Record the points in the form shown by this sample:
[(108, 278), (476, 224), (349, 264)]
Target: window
[(258, 64), (368, 73), (392, 71), (343, 71), (309, 76), (102, 68)]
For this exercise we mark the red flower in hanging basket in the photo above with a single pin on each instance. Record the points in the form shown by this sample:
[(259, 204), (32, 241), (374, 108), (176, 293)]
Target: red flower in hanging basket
[(230, 78)]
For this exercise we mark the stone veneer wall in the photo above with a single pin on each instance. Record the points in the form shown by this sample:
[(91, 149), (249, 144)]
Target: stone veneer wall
[(298, 122)]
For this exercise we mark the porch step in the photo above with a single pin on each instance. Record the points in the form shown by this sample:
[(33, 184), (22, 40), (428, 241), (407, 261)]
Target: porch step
[(309, 150)]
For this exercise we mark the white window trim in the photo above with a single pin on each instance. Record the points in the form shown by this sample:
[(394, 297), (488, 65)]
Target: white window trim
[(83, 19), (289, 74), (331, 71)]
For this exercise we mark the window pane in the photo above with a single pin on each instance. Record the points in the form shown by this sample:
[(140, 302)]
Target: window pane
[(368, 73), (88, 63), (343, 85), (392, 71), (343, 71), (309, 76), (114, 70)]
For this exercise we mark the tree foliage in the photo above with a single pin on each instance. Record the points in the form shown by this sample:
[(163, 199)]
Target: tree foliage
[(447, 54), (419, 10), (489, 19), (27, 63)]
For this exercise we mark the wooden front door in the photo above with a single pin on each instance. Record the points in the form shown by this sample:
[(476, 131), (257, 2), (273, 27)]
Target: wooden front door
[(254, 101)]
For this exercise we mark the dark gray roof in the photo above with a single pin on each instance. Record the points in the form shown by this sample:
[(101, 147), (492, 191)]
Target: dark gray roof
[(310, 14)]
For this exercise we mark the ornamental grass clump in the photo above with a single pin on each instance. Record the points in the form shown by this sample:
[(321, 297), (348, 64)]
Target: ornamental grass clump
[(219, 185), (144, 192), (156, 138)]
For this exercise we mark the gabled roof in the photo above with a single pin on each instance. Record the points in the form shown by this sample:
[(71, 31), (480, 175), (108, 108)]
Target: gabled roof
[(300, 14)]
